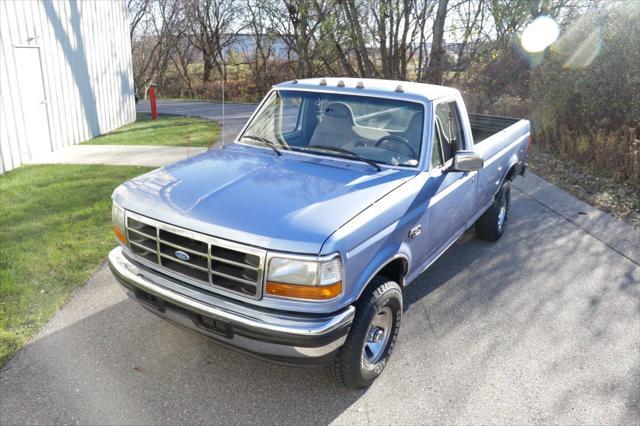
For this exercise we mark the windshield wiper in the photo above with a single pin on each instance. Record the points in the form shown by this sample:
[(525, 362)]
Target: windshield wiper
[(349, 154), (265, 141)]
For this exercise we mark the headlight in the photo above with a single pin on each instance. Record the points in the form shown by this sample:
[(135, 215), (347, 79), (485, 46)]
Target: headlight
[(117, 223), (304, 279)]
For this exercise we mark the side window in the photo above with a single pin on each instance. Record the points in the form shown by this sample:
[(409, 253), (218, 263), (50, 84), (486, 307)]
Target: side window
[(449, 123), (436, 150), (291, 107)]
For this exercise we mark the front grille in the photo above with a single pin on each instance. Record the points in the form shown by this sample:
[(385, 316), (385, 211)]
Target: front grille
[(209, 262)]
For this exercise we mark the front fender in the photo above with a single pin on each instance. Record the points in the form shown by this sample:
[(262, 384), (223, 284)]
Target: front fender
[(380, 263), (378, 235)]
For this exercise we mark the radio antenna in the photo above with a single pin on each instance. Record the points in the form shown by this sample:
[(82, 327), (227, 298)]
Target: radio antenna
[(223, 79)]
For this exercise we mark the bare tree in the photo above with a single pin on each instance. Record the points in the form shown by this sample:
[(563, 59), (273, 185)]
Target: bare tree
[(337, 50), (182, 58), (422, 13), (394, 33), (257, 49), (354, 14), (470, 19), (375, 38), (436, 56), (154, 42), (296, 24), (212, 30), (137, 10), (270, 40)]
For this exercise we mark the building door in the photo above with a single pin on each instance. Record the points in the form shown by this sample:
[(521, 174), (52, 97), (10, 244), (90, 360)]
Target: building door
[(33, 99)]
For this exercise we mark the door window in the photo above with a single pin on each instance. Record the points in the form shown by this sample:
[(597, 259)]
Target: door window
[(436, 150), (291, 106), (449, 130)]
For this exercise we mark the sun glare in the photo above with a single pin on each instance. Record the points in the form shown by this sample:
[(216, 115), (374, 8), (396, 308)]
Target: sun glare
[(540, 34)]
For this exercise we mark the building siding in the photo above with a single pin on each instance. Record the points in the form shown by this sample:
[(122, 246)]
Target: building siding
[(85, 53)]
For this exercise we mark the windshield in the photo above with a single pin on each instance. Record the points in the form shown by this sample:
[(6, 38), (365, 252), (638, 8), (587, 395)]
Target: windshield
[(384, 131)]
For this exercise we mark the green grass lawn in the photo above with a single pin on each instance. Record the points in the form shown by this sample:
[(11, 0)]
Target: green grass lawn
[(55, 230), (165, 131)]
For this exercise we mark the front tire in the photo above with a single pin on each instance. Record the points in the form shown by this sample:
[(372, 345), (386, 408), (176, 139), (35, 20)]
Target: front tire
[(492, 224), (372, 336)]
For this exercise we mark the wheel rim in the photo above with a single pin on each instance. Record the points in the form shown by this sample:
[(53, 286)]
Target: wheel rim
[(502, 215), (377, 336)]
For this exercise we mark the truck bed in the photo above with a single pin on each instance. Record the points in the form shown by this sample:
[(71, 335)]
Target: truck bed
[(484, 126)]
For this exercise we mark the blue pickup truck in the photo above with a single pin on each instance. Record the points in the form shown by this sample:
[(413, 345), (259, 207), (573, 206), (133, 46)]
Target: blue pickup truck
[(294, 242)]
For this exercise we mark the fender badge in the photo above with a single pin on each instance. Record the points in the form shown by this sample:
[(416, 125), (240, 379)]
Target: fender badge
[(415, 231)]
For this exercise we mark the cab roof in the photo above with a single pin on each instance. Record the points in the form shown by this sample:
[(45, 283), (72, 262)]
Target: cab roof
[(370, 86)]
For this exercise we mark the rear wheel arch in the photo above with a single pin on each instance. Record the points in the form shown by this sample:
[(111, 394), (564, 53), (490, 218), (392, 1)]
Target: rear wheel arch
[(512, 173), (491, 225)]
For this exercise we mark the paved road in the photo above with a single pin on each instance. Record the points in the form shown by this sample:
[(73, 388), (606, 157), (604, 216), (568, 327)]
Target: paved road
[(235, 115), (542, 326)]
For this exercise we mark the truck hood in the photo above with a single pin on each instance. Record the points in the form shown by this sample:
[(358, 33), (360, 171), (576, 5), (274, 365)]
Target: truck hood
[(288, 203)]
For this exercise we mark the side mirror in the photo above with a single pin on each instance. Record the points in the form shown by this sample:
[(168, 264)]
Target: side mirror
[(466, 161)]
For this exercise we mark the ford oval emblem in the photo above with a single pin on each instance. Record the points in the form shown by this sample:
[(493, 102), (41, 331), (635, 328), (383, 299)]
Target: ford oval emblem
[(182, 255)]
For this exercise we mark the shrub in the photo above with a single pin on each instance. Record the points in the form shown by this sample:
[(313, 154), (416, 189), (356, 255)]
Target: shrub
[(590, 80), (615, 153)]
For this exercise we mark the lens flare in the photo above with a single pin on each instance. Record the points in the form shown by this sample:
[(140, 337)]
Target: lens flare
[(540, 34), (581, 42)]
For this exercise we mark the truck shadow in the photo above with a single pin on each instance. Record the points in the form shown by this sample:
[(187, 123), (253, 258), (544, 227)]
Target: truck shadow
[(123, 365)]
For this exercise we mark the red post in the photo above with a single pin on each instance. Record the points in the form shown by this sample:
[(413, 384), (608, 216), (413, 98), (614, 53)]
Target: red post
[(152, 99)]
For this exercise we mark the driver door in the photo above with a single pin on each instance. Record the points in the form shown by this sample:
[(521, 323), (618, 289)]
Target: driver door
[(450, 194)]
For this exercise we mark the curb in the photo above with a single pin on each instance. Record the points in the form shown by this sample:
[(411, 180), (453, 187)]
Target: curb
[(618, 235)]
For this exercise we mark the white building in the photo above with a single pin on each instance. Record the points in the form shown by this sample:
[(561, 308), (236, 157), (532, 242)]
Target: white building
[(65, 74)]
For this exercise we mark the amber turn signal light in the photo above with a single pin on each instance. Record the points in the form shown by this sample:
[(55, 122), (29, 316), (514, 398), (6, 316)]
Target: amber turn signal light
[(303, 291), (119, 235)]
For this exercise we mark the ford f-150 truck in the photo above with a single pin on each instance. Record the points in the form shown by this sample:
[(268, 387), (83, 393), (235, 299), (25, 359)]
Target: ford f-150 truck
[(294, 242)]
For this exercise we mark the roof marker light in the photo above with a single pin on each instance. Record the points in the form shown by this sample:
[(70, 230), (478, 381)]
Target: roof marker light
[(399, 88), (360, 85), (341, 83), (323, 82), (294, 82)]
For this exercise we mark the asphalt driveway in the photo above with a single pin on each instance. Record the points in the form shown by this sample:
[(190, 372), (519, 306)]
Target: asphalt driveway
[(235, 115), (542, 326)]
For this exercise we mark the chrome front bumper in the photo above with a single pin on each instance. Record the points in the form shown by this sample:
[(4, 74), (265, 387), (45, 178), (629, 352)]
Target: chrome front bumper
[(283, 337)]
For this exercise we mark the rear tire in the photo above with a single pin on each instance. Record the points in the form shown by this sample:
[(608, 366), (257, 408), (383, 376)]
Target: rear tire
[(492, 224), (372, 336)]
